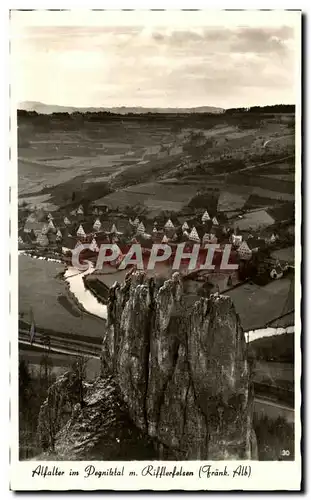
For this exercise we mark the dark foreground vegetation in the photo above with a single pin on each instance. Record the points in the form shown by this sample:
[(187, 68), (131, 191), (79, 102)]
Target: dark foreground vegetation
[(275, 438)]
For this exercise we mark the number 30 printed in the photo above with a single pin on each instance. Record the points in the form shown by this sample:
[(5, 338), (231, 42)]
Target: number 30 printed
[(285, 453)]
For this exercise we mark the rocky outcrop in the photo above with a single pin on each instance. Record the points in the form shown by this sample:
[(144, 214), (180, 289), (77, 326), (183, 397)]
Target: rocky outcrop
[(56, 409), (100, 430), (182, 371), (175, 383)]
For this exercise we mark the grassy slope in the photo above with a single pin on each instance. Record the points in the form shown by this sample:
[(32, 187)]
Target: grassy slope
[(39, 289)]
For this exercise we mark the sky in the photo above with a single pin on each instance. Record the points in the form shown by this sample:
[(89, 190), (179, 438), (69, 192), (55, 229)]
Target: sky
[(154, 61)]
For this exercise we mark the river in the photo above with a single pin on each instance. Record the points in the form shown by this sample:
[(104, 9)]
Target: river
[(74, 278), (267, 332)]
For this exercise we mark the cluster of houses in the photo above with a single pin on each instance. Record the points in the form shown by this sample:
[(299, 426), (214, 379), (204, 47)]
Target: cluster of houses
[(65, 232)]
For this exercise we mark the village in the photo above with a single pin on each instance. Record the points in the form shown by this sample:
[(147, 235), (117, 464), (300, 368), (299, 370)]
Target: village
[(261, 245)]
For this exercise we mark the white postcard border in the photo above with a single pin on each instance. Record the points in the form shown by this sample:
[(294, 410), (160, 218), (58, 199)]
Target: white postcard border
[(264, 476)]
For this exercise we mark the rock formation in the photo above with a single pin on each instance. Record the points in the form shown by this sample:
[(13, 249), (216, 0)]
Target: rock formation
[(175, 382), (182, 372), (101, 430)]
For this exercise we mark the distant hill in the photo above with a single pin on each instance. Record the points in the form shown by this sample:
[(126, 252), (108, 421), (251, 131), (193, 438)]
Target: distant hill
[(48, 109)]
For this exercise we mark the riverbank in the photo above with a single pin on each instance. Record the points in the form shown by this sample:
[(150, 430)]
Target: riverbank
[(43, 290), (85, 296), (76, 286)]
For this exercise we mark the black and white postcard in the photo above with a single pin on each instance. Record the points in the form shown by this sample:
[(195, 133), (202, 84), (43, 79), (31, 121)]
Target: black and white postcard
[(155, 250)]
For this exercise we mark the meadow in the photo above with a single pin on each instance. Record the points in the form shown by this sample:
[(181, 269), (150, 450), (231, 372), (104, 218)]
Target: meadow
[(43, 290), (270, 300)]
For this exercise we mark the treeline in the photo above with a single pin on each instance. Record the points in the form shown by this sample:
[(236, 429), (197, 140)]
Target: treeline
[(94, 115), (278, 348), (100, 115), (276, 108), (77, 117)]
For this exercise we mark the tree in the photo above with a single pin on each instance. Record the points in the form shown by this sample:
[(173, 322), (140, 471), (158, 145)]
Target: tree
[(46, 364), (25, 391), (229, 282), (79, 369), (28, 410), (24, 377)]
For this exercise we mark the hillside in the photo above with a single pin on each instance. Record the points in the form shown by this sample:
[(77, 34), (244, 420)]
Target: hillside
[(279, 348), (158, 161), (40, 107)]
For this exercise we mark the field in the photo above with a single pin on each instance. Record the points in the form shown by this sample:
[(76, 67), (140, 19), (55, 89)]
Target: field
[(43, 291), (159, 162), (257, 305), (152, 195)]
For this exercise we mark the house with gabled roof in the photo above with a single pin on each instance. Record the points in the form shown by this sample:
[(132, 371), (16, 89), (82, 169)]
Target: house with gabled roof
[(236, 239), (59, 235), (193, 236), (276, 272), (244, 251), (80, 232), (51, 226), (141, 228), (169, 225), (205, 216), (273, 238), (97, 225)]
